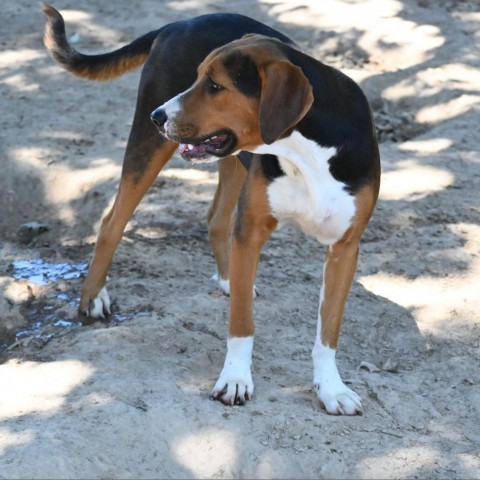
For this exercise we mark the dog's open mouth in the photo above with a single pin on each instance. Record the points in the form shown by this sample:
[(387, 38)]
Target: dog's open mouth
[(219, 144)]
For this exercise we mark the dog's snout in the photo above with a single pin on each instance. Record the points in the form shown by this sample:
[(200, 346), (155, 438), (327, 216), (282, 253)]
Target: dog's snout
[(159, 117)]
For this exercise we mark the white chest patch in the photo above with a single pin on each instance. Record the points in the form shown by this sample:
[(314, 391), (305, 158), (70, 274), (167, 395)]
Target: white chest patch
[(308, 195)]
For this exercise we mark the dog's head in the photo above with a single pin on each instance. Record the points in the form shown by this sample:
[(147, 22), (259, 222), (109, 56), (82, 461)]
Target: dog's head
[(247, 93)]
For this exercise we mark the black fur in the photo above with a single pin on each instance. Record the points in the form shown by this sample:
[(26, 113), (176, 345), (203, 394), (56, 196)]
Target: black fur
[(340, 115), (271, 167), (244, 74)]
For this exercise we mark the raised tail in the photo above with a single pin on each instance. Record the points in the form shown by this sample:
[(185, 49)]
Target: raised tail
[(94, 67)]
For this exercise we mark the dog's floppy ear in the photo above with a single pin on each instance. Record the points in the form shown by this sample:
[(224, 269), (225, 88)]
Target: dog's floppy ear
[(285, 99)]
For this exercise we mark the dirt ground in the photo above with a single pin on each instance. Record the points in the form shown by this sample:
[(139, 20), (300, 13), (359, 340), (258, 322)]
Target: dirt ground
[(129, 398)]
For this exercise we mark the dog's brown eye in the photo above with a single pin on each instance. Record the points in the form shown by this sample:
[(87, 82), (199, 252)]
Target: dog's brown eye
[(214, 87)]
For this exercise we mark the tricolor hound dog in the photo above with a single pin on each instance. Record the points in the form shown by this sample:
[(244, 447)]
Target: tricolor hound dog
[(224, 86)]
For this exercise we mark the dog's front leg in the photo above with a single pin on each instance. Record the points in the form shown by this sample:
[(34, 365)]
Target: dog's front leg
[(253, 228), (95, 302), (338, 273)]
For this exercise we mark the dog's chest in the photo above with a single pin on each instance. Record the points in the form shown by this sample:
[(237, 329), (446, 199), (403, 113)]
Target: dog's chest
[(307, 195)]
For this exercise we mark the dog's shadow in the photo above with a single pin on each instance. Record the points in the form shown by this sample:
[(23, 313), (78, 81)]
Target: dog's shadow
[(385, 332)]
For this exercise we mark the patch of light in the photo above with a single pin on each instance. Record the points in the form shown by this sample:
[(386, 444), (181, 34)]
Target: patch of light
[(11, 439), (206, 452), (32, 387), (427, 146), (406, 461), (17, 58), (64, 183), (447, 110), (21, 83), (432, 299), (413, 182), (191, 175)]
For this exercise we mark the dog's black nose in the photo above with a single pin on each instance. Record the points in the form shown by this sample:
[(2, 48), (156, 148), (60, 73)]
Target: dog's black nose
[(159, 117)]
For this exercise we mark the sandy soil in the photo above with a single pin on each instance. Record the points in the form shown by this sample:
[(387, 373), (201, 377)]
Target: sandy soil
[(129, 399)]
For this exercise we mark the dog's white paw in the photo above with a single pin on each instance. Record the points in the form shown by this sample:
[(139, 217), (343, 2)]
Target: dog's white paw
[(334, 395), (224, 285), (99, 306), (235, 385), (339, 399)]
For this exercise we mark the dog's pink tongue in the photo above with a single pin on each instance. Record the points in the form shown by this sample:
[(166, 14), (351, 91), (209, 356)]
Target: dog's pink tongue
[(207, 147)]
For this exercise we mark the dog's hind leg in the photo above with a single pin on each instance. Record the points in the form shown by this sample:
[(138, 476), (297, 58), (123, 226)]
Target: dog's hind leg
[(231, 175), (146, 154)]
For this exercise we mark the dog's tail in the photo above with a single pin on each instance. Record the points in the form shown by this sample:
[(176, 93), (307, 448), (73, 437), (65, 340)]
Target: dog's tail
[(94, 67)]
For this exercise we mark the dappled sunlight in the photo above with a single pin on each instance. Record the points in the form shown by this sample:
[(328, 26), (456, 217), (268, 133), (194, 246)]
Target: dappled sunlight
[(426, 146), (419, 461), (65, 184), (447, 110), (333, 13), (412, 182), (192, 175), (433, 300), (454, 75), (72, 16), (30, 156), (68, 184), (469, 462), (12, 59), (67, 135), (407, 460), (12, 439), (397, 43), (272, 464), (393, 42), (206, 452), (21, 83), (89, 26), (40, 388), (404, 88), (186, 4)]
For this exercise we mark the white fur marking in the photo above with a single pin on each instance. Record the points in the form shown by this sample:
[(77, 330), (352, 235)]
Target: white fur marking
[(172, 108), (224, 284), (236, 375), (308, 195), (337, 398), (101, 304)]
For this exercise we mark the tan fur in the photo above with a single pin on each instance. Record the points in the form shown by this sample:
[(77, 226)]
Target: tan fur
[(250, 118), (340, 267), (254, 226), (231, 175), (117, 63), (130, 192)]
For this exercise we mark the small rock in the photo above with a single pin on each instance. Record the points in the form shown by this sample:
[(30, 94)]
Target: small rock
[(368, 366)]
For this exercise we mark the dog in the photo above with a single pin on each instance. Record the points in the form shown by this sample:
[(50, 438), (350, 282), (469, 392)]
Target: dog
[(226, 87)]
